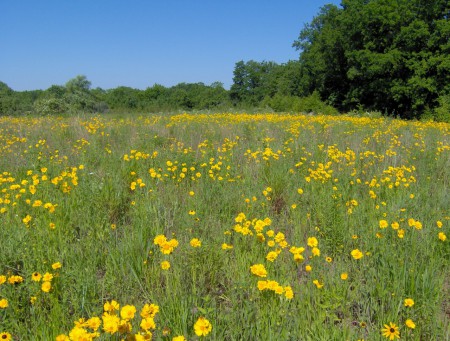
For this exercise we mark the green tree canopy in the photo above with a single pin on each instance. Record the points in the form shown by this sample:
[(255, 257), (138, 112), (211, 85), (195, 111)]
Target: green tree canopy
[(387, 55), (79, 83), (252, 81)]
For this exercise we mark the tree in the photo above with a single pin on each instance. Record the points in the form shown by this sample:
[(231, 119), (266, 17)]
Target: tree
[(56, 91), (387, 55), (5, 89), (323, 64), (79, 83), (287, 78), (5, 98), (123, 97), (252, 82), (16, 102), (78, 97)]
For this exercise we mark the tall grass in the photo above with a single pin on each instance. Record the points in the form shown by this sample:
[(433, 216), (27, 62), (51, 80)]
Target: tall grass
[(93, 192)]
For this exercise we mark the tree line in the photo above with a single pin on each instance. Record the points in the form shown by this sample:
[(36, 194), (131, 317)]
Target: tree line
[(390, 56), (78, 96)]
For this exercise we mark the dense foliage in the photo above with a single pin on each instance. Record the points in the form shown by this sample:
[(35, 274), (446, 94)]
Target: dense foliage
[(77, 96), (390, 56), (386, 55)]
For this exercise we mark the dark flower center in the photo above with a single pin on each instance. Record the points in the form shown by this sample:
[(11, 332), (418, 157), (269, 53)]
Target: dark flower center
[(392, 330)]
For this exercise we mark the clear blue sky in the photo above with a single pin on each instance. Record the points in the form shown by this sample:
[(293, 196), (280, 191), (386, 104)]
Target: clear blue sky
[(140, 43)]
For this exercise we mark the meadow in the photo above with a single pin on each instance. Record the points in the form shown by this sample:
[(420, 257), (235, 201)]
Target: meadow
[(224, 227)]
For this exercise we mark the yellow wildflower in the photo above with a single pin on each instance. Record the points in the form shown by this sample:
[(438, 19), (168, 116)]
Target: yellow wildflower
[(202, 327), (383, 224), (409, 302), (312, 242), (391, 331), (318, 284), (46, 286), (357, 254), (165, 265), (410, 324), (258, 270), (195, 242), (127, 312), (56, 265), (111, 307), (3, 303)]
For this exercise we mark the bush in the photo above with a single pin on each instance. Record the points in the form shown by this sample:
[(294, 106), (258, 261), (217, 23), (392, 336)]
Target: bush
[(442, 112), (311, 103), (50, 106)]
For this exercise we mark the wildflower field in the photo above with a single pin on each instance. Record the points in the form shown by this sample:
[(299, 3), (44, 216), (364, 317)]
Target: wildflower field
[(224, 227)]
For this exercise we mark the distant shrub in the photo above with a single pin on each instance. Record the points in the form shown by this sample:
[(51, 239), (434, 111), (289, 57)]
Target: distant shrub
[(50, 106), (101, 107), (68, 104), (442, 112), (311, 103)]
